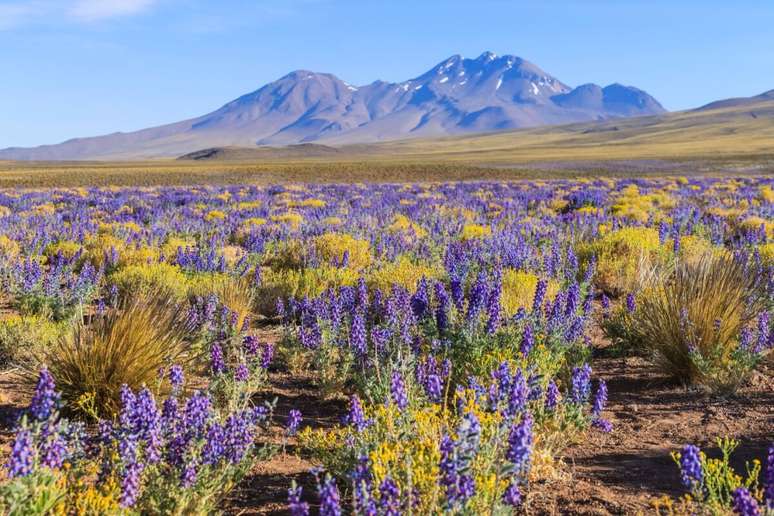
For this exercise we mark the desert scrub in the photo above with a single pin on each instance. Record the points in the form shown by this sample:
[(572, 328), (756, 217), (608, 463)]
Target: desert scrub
[(704, 322), (126, 346)]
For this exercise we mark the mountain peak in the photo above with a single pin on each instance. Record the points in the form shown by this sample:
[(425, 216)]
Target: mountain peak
[(487, 56)]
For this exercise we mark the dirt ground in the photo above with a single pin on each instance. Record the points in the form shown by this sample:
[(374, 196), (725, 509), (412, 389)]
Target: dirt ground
[(617, 473)]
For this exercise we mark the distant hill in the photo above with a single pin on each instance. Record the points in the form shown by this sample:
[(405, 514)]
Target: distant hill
[(739, 128), (303, 150), (457, 96)]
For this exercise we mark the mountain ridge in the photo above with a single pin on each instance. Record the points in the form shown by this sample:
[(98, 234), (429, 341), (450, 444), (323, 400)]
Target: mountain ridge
[(456, 96)]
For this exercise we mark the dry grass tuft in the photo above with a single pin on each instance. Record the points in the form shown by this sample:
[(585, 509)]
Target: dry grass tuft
[(690, 315), (128, 345)]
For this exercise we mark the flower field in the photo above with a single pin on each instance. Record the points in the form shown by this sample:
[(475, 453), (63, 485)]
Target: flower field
[(562, 346)]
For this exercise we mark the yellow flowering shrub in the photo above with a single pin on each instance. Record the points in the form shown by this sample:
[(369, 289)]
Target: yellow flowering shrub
[(308, 203), (290, 218), (300, 283), (248, 205), (767, 253), (332, 246), (403, 272), (755, 223), (619, 254), (214, 215), (136, 279), (519, 290), (68, 248), (640, 207), (472, 231), (401, 223), (22, 336), (8, 248), (766, 193)]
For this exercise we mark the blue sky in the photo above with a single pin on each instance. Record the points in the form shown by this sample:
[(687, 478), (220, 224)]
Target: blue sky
[(86, 67)]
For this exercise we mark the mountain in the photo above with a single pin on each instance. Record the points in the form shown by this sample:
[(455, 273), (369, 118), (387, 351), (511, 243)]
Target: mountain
[(457, 96)]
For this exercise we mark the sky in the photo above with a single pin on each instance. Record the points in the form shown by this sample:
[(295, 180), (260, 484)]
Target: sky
[(72, 68)]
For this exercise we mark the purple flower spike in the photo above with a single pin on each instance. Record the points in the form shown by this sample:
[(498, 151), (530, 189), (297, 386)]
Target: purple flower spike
[(294, 421), (46, 399)]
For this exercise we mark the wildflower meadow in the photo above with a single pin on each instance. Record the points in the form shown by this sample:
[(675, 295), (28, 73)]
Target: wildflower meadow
[(387, 349)]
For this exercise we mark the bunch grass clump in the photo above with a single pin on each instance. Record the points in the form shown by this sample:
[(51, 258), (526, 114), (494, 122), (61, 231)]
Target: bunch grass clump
[(128, 346), (690, 317)]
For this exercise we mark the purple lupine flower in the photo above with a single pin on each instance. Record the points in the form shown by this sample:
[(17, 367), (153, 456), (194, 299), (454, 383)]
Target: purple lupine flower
[(130, 485), (217, 363), (744, 503), (267, 355), (251, 345), (238, 436), (176, 377), (520, 444), (764, 334), (581, 384), (540, 293), (493, 305), (663, 232), (631, 305), (22, 455), (53, 449), (242, 373), (330, 501), (477, 299), (294, 421), (356, 415), (552, 396), (45, 400), (130, 478), (214, 445), (442, 310), (600, 400), (691, 472), (189, 474), (527, 340), (518, 395), (357, 335), (605, 305), (296, 506), (512, 495), (196, 413), (389, 498), (573, 299), (420, 300), (434, 387), (398, 390), (448, 468)]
